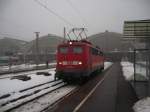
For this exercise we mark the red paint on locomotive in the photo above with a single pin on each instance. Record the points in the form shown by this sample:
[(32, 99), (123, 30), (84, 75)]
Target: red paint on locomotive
[(76, 59)]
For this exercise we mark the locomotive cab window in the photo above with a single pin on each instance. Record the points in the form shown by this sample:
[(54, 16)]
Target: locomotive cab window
[(77, 50), (94, 51), (63, 50)]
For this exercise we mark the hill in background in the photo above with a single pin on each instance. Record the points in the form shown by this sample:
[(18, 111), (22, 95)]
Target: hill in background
[(10, 45), (107, 41), (110, 41), (47, 43)]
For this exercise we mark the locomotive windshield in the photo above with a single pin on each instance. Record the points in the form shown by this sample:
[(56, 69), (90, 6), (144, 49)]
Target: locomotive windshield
[(73, 49), (77, 49), (63, 50)]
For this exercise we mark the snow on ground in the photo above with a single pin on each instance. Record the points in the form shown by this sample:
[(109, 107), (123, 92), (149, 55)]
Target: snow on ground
[(21, 67), (27, 72), (128, 70), (107, 65), (29, 92), (13, 86), (43, 102), (142, 105), (141, 69), (16, 67), (8, 85), (29, 98)]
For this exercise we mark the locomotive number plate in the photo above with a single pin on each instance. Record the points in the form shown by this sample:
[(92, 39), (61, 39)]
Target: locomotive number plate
[(69, 63)]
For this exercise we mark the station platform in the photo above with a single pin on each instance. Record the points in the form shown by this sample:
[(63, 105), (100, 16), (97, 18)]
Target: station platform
[(114, 94)]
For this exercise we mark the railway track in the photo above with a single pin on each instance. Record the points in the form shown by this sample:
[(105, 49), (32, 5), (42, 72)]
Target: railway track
[(44, 92), (25, 73), (27, 95), (48, 101), (32, 89), (26, 70), (73, 102)]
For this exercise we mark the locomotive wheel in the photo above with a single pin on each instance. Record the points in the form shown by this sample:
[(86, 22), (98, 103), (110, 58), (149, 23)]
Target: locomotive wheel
[(67, 80), (102, 68), (82, 80)]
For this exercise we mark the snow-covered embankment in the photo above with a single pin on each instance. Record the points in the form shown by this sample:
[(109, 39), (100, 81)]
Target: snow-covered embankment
[(142, 105)]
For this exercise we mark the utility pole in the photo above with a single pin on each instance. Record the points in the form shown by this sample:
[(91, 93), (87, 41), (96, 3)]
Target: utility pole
[(37, 48), (64, 34)]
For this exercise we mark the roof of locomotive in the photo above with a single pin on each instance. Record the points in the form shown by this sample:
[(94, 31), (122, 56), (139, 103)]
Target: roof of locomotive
[(76, 42)]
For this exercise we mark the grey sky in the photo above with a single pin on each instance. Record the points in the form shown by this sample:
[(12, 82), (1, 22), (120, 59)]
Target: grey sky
[(20, 18)]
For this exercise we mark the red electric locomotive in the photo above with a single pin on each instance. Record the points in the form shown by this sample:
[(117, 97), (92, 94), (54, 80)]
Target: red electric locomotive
[(78, 59)]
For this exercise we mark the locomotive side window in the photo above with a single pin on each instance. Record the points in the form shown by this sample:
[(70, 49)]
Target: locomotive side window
[(100, 53), (63, 50), (77, 49), (94, 51)]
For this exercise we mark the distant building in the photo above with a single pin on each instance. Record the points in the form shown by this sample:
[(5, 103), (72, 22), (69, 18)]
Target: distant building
[(8, 60)]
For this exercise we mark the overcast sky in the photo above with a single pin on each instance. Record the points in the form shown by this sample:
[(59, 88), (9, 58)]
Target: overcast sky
[(21, 18)]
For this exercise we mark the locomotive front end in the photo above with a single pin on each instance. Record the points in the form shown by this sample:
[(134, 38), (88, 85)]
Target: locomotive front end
[(71, 60)]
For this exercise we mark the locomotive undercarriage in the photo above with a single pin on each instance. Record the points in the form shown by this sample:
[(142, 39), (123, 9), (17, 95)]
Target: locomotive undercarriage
[(78, 75)]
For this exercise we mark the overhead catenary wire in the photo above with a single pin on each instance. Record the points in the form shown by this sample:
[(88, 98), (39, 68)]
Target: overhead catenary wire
[(54, 13), (78, 12)]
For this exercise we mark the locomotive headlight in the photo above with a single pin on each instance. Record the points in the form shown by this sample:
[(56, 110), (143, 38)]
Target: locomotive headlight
[(80, 63), (70, 43), (60, 63)]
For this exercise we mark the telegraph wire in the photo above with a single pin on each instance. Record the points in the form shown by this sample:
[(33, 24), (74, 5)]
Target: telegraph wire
[(54, 13)]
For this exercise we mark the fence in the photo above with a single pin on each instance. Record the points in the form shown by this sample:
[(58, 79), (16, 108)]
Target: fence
[(141, 77)]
